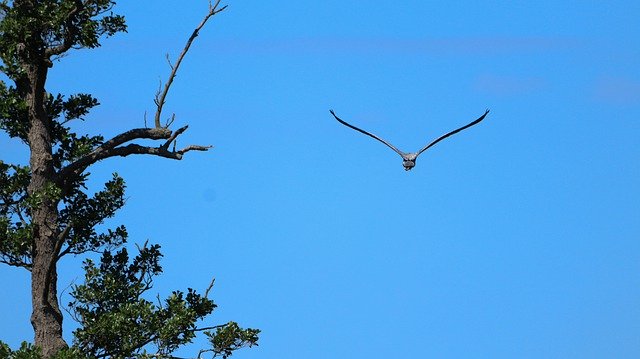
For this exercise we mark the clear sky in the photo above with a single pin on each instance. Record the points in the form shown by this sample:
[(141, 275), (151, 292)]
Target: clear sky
[(517, 238)]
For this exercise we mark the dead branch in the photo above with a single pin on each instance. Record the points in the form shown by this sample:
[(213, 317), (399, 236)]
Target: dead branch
[(121, 145), (55, 257), (206, 293), (173, 136), (15, 262), (161, 96)]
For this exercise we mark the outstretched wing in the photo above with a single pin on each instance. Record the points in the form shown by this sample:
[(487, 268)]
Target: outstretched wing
[(453, 132), (368, 134)]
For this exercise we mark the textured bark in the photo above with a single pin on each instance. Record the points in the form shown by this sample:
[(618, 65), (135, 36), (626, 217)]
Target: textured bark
[(33, 57), (46, 317)]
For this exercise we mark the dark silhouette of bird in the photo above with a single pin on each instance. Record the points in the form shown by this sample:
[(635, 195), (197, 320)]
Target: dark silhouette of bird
[(409, 159)]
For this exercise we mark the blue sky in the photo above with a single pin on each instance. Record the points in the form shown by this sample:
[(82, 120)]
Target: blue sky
[(517, 238)]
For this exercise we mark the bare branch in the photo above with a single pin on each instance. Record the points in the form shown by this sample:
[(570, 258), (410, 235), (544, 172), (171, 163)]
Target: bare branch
[(15, 262), (144, 246), (173, 137), (169, 61), (67, 309), (121, 145), (206, 293), (202, 351), (158, 92), (55, 257), (67, 251), (102, 151), (63, 234), (134, 149), (191, 148), (117, 146), (136, 133), (170, 121), (161, 96), (209, 328), (18, 211)]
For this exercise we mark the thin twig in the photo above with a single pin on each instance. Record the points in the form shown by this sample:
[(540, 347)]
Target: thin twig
[(170, 121), (18, 211), (209, 328), (202, 351), (161, 96), (173, 136), (206, 293), (169, 61), (15, 262), (121, 145), (192, 148), (72, 315), (54, 258)]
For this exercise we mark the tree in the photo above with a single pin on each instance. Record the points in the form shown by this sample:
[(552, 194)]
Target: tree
[(47, 214)]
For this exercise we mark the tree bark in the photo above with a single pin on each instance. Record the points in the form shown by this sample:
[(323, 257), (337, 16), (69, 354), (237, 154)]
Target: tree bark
[(46, 317)]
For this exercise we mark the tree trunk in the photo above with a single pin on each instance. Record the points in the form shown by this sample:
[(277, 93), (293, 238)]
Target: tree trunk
[(46, 317)]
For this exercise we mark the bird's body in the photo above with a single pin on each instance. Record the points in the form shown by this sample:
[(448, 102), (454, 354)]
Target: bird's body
[(409, 159)]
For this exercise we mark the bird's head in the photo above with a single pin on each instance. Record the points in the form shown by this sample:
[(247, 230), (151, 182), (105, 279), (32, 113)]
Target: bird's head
[(409, 160), (408, 164)]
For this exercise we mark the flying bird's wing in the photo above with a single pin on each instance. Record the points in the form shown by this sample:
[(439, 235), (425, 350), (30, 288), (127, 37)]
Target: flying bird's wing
[(368, 134), (453, 132)]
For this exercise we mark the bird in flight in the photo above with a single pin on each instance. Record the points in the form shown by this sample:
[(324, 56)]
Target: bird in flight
[(409, 159)]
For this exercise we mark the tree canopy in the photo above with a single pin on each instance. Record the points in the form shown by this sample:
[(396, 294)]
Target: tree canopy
[(48, 212)]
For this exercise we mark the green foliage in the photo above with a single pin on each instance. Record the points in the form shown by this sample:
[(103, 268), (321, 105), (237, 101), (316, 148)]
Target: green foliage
[(26, 351), (117, 322), (69, 146), (15, 229), (84, 213), (14, 119), (33, 29), (226, 339), (81, 212), (29, 351), (116, 318)]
